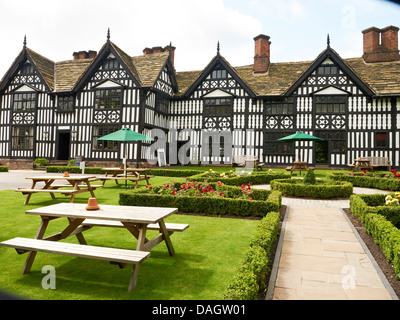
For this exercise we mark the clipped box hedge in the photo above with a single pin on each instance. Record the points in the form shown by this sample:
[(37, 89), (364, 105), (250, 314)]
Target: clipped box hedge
[(3, 169), (380, 222), (252, 274), (378, 182), (264, 201), (254, 178), (320, 190), (98, 170)]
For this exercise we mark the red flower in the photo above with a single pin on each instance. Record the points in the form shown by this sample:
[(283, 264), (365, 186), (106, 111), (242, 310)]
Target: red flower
[(365, 171), (221, 193)]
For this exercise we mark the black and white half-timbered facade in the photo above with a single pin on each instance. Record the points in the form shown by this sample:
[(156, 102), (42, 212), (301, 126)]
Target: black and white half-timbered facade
[(57, 110)]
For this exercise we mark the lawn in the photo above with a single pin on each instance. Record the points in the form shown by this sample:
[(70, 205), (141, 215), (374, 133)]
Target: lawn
[(208, 255)]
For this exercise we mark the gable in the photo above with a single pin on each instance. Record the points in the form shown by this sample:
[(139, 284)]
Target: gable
[(110, 64), (218, 75), (29, 68), (329, 70)]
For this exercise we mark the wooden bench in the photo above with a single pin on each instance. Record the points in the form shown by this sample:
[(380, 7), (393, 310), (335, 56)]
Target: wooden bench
[(379, 162), (57, 186), (241, 161), (374, 162), (171, 227), (118, 256)]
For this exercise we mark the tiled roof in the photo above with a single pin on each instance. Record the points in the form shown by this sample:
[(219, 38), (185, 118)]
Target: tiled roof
[(383, 78), (45, 67), (149, 66), (69, 72)]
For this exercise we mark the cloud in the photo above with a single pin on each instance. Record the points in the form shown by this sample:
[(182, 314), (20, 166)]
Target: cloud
[(56, 29)]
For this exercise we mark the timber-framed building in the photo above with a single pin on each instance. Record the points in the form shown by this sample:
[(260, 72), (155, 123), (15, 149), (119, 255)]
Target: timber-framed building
[(58, 110)]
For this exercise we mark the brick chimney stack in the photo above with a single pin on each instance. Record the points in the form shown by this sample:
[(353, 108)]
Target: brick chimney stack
[(262, 54), (84, 55), (381, 45), (171, 48)]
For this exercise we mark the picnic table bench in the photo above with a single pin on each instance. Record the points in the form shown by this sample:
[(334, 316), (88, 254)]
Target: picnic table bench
[(370, 163), (244, 160), (298, 166), (137, 220), (79, 183), (122, 174)]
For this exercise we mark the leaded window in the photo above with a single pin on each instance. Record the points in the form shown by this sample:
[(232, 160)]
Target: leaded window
[(280, 107), (108, 99), (22, 138), (24, 101), (100, 131), (111, 64), (65, 104), (274, 147), (217, 107), (330, 104)]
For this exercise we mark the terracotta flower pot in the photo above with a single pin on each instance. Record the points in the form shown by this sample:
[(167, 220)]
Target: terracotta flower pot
[(92, 204), (66, 174)]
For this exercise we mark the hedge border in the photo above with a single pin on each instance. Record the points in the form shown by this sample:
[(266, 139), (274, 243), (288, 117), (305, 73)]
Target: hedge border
[(367, 182), (252, 274), (295, 187), (385, 234), (98, 170), (270, 201), (254, 178), (3, 169)]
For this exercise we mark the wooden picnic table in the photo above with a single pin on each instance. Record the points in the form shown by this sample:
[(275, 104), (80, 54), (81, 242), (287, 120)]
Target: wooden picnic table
[(363, 163), (80, 184), (298, 166), (128, 174), (137, 220)]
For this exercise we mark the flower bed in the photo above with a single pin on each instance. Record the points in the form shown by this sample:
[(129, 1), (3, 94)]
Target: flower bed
[(319, 190), (381, 222), (386, 181), (207, 198), (234, 179)]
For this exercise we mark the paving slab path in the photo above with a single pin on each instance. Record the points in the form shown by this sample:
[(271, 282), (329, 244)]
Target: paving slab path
[(320, 255)]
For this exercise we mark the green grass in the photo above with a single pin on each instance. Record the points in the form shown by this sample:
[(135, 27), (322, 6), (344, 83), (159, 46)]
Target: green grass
[(208, 255)]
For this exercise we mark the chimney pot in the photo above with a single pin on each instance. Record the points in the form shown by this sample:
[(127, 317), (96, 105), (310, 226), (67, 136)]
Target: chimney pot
[(147, 51)]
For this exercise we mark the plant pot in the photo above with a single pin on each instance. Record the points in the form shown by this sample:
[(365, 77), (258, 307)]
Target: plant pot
[(92, 204)]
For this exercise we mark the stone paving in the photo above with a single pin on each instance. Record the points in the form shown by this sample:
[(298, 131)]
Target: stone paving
[(320, 255)]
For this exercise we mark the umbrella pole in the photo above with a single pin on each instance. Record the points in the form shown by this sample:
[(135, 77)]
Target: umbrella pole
[(126, 159)]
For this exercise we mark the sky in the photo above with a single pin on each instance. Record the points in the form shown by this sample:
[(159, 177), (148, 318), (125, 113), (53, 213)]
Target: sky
[(298, 28)]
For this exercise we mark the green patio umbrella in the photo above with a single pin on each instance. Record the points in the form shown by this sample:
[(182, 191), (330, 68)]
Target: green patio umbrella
[(126, 135), (300, 136)]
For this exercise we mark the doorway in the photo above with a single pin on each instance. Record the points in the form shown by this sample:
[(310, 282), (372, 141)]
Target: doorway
[(321, 152), (63, 144)]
